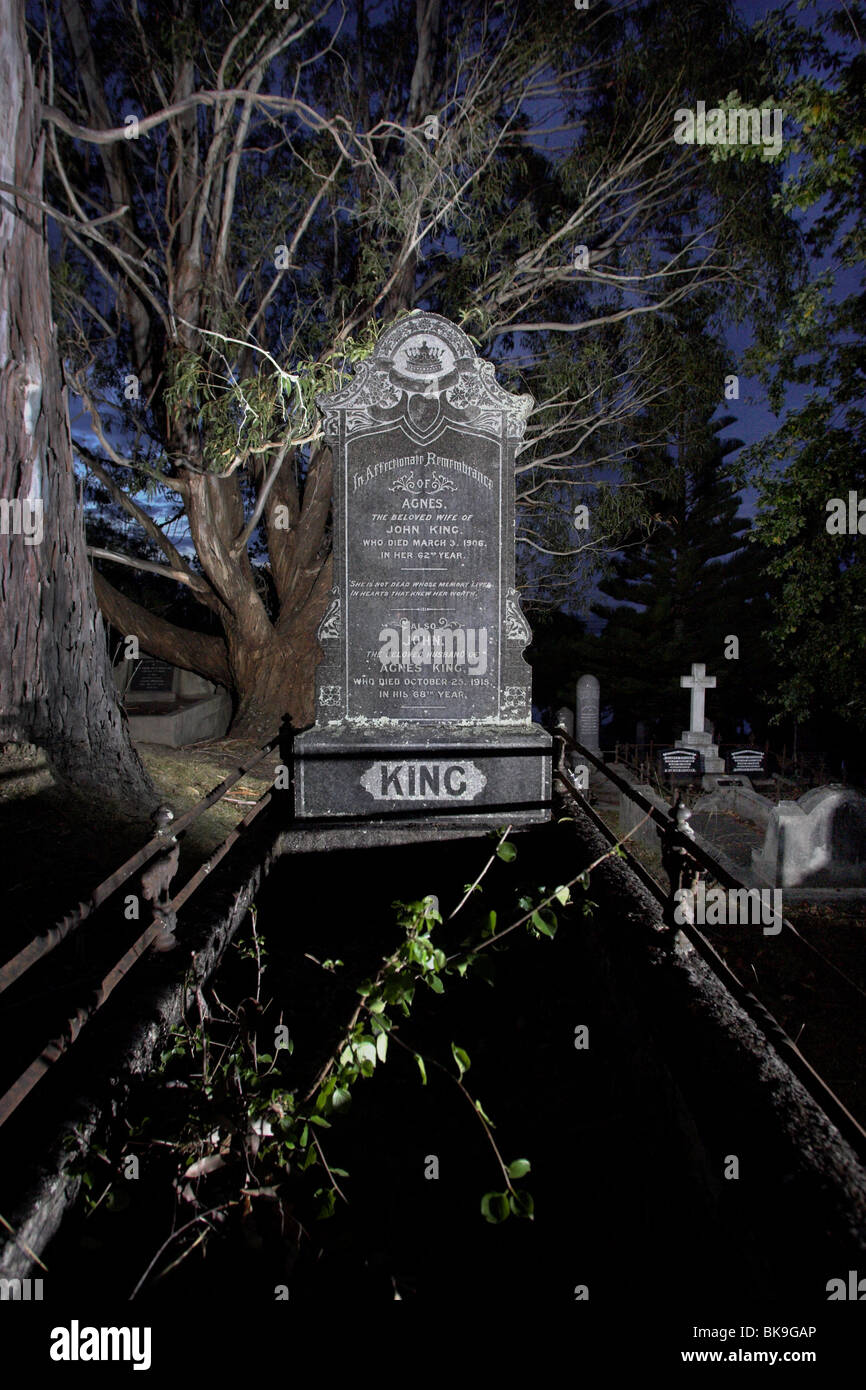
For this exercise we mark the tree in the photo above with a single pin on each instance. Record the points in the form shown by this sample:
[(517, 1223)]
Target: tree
[(234, 252), (55, 676), (684, 591), (818, 454)]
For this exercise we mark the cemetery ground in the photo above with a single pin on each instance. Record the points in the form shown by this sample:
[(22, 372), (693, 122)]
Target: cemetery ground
[(823, 1014), (59, 844)]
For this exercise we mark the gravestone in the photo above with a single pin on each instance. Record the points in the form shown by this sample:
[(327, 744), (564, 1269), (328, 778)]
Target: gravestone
[(680, 762), (167, 705), (816, 842), (747, 762), (423, 693), (565, 718), (152, 680), (587, 713), (697, 736)]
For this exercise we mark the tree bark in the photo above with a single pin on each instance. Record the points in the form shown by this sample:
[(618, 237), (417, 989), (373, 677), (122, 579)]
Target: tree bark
[(56, 686)]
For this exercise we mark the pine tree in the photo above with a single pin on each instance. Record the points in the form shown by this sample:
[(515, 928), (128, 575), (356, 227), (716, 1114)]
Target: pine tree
[(683, 591)]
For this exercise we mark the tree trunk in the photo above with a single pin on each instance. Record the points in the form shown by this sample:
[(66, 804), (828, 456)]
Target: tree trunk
[(56, 686)]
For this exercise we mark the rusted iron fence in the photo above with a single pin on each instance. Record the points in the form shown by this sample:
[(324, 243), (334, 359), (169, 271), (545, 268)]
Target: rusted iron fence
[(157, 862)]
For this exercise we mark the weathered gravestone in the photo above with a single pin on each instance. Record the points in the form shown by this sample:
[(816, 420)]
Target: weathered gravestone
[(423, 694), (564, 718), (587, 713)]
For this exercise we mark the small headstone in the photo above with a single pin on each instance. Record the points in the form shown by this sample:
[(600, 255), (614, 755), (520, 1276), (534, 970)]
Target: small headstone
[(152, 679), (747, 762), (680, 762), (167, 705), (423, 693), (565, 718), (587, 713)]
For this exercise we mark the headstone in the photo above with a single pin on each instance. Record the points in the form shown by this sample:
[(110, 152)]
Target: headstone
[(423, 693), (696, 736), (748, 762), (152, 680), (587, 713), (167, 705), (818, 841), (680, 762), (565, 717)]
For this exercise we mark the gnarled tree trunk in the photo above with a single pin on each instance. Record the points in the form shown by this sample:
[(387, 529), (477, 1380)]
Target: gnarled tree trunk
[(56, 686)]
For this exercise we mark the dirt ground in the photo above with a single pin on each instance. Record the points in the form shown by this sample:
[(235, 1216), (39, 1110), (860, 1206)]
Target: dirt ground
[(59, 845)]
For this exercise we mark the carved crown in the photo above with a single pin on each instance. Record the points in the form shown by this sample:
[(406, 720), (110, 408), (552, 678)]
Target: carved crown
[(424, 360)]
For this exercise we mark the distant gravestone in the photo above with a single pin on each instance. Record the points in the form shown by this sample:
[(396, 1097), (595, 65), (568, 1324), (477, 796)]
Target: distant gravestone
[(697, 735), (588, 691), (748, 762), (565, 718), (423, 694), (151, 678), (680, 762), (816, 842), (165, 704)]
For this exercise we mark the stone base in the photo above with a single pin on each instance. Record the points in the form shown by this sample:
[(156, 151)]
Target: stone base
[(185, 721), (477, 774), (713, 764)]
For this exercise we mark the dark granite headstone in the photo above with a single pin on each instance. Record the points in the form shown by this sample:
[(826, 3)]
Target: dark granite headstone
[(423, 694), (152, 677), (750, 762), (680, 762)]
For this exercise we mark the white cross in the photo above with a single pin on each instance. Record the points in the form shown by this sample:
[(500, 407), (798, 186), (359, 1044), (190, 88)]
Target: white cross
[(698, 682)]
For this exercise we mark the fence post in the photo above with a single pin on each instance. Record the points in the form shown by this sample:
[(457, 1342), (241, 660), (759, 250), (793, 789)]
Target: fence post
[(681, 869), (156, 878)]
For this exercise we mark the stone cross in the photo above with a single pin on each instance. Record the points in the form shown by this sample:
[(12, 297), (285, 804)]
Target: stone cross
[(697, 683)]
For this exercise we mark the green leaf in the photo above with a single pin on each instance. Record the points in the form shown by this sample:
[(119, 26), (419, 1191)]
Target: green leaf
[(462, 1060), (563, 895), (341, 1099), (382, 1046), (435, 984), (480, 1109), (421, 1067), (518, 1168), (521, 1204), (494, 1207), (507, 851), (539, 923)]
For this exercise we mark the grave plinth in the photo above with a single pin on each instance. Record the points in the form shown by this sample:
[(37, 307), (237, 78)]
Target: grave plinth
[(423, 701)]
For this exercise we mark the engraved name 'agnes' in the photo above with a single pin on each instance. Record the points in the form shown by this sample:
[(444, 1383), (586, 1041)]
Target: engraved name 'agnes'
[(408, 648)]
